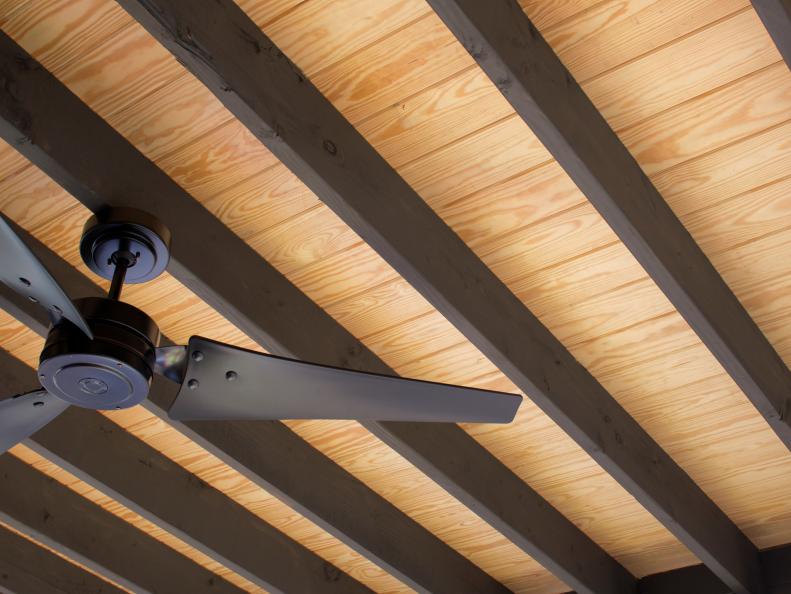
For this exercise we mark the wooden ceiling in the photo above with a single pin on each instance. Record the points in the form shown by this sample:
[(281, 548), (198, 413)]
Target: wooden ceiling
[(695, 89)]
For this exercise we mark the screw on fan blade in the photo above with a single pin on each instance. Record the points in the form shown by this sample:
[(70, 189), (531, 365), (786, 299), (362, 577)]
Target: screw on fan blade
[(22, 272), (21, 416), (228, 383)]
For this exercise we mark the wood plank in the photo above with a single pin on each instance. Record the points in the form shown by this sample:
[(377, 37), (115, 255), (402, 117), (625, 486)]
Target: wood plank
[(612, 33), (88, 22), (427, 121), (776, 17), (731, 171), (272, 309), (106, 74), (698, 126), (709, 58), (545, 95), (28, 567), (690, 131), (360, 86), (337, 164), (306, 28), (48, 512)]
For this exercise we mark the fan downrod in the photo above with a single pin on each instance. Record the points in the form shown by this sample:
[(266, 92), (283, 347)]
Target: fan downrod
[(113, 370)]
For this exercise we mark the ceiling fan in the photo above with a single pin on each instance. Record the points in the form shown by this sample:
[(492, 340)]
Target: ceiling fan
[(101, 353)]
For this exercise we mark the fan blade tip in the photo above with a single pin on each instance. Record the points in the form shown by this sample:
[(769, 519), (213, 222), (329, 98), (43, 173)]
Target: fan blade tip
[(515, 403), (83, 325)]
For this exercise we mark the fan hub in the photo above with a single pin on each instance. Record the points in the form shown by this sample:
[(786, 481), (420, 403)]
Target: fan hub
[(114, 369)]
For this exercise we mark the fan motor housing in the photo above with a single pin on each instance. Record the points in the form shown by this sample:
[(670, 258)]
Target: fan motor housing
[(118, 229), (111, 371)]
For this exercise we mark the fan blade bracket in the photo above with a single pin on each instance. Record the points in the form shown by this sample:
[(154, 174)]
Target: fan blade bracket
[(171, 362)]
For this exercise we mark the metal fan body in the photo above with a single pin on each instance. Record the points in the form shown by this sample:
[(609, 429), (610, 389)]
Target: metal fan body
[(102, 353), (112, 370)]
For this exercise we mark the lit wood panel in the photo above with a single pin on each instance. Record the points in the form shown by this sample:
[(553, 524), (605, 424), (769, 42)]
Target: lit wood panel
[(695, 90), (609, 34), (709, 58), (321, 33), (44, 25)]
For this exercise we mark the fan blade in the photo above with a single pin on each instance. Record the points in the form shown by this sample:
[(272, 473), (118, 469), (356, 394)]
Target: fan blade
[(22, 271), (224, 383), (23, 415)]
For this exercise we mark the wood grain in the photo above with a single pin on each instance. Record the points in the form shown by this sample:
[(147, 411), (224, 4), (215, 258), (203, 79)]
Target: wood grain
[(609, 34), (694, 89), (703, 66)]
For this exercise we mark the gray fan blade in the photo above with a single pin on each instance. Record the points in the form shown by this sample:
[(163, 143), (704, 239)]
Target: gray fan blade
[(23, 415), (22, 272), (223, 383)]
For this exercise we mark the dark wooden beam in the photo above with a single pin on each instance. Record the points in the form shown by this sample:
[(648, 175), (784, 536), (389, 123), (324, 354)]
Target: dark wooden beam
[(266, 92), (56, 516), (532, 78), (51, 127), (108, 458), (276, 459), (775, 564), (26, 567), (776, 17), (514, 55), (137, 476)]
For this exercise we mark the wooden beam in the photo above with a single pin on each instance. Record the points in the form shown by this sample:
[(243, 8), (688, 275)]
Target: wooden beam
[(140, 478), (514, 55), (27, 567), (275, 458), (775, 564), (533, 79), (266, 92), (776, 17), (103, 455), (59, 518), (51, 127)]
